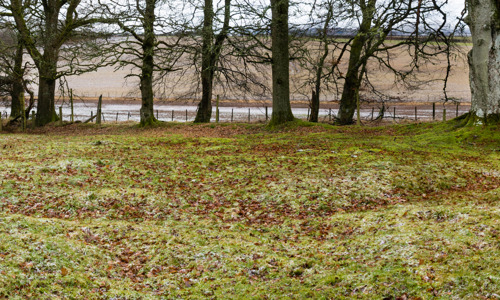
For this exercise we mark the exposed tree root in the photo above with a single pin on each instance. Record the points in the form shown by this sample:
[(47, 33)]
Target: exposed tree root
[(471, 119)]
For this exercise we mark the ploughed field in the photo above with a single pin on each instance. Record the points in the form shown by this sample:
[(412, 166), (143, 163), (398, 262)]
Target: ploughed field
[(240, 211)]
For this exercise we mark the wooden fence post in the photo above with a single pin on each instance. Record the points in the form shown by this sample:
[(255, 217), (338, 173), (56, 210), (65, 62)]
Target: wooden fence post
[(99, 111), (72, 118), (232, 114), (358, 111), (267, 116), (416, 116), (248, 115), (433, 111), (23, 113), (60, 116), (217, 110)]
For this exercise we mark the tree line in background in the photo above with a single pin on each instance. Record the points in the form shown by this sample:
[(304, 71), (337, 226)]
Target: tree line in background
[(230, 44)]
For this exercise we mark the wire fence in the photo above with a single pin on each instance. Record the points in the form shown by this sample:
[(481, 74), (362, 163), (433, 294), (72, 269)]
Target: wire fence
[(83, 112)]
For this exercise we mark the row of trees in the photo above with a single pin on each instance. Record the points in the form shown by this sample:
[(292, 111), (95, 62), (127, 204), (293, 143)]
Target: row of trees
[(230, 41)]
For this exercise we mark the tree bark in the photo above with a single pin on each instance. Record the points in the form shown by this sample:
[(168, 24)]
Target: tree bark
[(47, 66), (17, 83), (146, 78), (207, 73), (58, 21), (46, 112), (350, 92), (210, 54), (313, 117), (47, 77), (314, 105), (484, 59), (282, 111)]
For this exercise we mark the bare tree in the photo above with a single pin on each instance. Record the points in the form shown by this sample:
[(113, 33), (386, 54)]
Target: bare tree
[(146, 45), (147, 18), (212, 45), (44, 27), (13, 81), (215, 57), (282, 111), (409, 20), (259, 38), (314, 104), (318, 59)]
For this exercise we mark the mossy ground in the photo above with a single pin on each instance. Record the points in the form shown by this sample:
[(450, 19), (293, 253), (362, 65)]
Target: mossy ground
[(245, 212)]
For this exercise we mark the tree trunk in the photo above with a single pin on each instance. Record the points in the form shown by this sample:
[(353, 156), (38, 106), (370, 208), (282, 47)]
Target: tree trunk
[(484, 59), (146, 78), (282, 111), (313, 117), (204, 112), (207, 73), (17, 83), (211, 52), (45, 112), (350, 92), (146, 86), (47, 67)]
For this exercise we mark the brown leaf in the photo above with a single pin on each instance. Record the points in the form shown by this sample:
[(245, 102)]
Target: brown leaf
[(64, 271)]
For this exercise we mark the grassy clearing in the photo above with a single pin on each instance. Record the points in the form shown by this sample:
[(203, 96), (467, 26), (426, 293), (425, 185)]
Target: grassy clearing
[(238, 211)]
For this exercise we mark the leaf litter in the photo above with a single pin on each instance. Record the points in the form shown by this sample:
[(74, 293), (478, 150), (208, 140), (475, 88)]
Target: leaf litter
[(238, 211)]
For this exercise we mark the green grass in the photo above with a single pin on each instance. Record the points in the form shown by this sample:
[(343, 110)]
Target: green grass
[(244, 212)]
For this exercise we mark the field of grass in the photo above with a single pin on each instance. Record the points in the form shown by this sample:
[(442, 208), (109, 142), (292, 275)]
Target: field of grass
[(242, 212)]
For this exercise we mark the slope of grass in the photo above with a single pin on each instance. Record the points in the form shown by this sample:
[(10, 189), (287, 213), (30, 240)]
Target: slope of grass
[(240, 211)]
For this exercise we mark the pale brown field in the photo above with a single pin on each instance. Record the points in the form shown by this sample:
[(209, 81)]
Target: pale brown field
[(427, 86)]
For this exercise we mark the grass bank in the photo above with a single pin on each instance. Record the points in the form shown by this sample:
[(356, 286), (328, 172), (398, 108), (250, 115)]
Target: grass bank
[(238, 211)]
